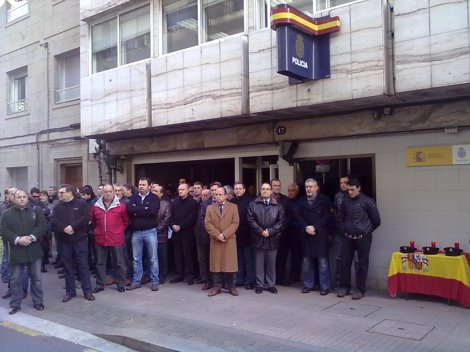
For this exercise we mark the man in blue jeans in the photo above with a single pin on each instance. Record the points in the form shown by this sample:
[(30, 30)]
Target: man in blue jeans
[(313, 211), (143, 209), (22, 227)]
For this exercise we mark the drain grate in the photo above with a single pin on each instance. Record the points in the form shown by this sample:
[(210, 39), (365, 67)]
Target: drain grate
[(354, 309), (401, 329)]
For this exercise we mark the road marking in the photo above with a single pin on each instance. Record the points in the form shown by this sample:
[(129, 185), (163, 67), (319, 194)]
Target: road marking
[(19, 328)]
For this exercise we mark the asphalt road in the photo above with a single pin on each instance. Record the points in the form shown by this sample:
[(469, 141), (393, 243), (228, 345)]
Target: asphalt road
[(15, 338)]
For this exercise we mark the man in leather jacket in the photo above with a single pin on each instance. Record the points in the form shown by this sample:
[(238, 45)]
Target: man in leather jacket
[(360, 218), (266, 219)]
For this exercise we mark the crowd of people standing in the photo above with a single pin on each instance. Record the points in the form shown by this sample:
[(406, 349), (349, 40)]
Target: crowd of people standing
[(221, 237)]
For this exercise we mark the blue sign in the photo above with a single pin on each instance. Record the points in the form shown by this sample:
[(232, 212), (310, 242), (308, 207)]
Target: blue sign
[(302, 56)]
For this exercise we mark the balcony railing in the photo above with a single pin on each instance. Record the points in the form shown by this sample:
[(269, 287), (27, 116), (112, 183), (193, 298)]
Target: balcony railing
[(67, 94), (17, 106), (17, 12)]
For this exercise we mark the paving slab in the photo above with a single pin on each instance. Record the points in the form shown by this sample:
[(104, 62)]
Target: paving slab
[(183, 318)]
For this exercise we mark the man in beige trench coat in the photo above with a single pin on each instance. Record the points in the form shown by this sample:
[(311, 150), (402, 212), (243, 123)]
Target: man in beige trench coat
[(221, 223)]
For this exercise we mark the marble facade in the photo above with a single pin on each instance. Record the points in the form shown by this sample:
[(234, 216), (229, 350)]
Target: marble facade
[(237, 76)]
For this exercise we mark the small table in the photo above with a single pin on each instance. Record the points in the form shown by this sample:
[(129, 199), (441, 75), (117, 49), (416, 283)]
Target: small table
[(435, 275)]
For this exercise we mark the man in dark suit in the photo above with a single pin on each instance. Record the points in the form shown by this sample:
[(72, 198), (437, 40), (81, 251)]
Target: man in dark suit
[(183, 219)]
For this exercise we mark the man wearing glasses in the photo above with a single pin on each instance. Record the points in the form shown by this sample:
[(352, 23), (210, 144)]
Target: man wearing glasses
[(266, 219), (70, 222)]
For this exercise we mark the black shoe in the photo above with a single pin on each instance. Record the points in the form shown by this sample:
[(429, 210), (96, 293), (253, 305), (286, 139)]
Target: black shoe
[(306, 290), (98, 289), (61, 271), (272, 289), (39, 306), (176, 279), (190, 282), (238, 284), (62, 276), (323, 292), (14, 310), (342, 292), (7, 295), (58, 265), (25, 294), (67, 298), (154, 287), (162, 281), (89, 296), (198, 281), (249, 287), (145, 280), (121, 289), (258, 289)]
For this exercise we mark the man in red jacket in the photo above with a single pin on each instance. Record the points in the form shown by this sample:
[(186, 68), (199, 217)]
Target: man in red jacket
[(109, 218)]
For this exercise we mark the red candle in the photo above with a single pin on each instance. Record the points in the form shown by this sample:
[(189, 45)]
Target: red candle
[(456, 245), (412, 244), (433, 244)]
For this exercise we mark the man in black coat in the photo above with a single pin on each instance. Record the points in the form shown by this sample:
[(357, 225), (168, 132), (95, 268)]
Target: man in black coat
[(313, 212), (245, 254), (183, 219), (70, 220)]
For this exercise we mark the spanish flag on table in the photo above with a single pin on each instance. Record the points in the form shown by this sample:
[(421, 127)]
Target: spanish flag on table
[(435, 275)]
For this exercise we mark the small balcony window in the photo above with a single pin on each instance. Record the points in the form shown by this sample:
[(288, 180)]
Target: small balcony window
[(16, 9)]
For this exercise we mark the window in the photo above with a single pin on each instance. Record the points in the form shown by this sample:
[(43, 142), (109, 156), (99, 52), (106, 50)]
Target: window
[(309, 7), (182, 27), (18, 91), (325, 4), (68, 77), (180, 24), (18, 176), (135, 35), (104, 45), (134, 38), (222, 18), (16, 9)]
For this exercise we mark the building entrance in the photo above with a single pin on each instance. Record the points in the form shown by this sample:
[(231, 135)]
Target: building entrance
[(328, 171), (205, 171)]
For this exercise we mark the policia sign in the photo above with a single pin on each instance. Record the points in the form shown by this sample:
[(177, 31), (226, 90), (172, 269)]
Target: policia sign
[(303, 43)]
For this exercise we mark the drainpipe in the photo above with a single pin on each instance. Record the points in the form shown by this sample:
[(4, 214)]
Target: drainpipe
[(45, 45)]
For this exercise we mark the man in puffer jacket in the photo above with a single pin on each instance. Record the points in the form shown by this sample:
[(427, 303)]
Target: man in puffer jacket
[(266, 219), (109, 219)]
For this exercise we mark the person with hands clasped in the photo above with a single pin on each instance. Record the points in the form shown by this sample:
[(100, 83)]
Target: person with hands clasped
[(22, 227), (266, 219)]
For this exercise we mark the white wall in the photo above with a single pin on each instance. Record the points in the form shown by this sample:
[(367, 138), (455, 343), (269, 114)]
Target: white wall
[(423, 204)]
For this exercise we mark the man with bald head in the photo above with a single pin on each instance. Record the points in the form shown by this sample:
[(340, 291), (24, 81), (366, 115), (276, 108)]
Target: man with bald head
[(183, 219), (221, 223), (22, 227)]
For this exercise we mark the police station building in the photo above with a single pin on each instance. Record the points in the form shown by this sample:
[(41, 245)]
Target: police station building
[(251, 89)]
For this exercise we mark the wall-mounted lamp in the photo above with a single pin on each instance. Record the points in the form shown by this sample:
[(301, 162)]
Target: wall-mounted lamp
[(387, 111)]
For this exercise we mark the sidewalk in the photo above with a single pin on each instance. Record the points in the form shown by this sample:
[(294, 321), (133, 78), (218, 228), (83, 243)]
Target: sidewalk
[(182, 318)]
